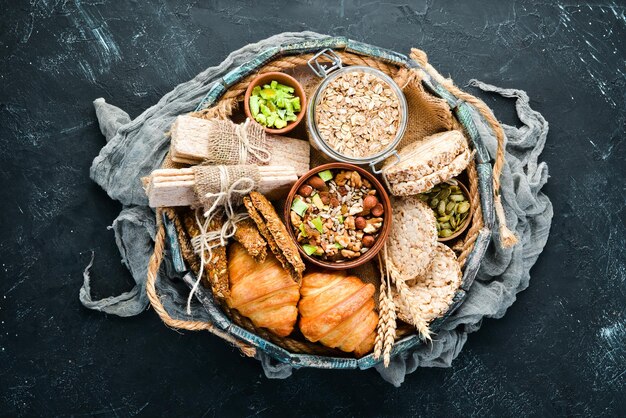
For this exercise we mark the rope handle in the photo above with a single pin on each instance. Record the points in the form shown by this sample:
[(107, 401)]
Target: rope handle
[(507, 237), (155, 300)]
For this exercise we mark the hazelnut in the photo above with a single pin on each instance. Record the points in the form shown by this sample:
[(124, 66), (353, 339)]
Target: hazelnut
[(317, 183), (377, 210), (334, 201), (360, 222), (325, 196), (342, 190), (368, 241), (369, 202), (305, 190)]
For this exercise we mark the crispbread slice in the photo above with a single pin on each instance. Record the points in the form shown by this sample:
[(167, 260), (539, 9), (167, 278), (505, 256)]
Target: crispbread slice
[(278, 231), (425, 163), (216, 269), (413, 236), (432, 293), (265, 232), (248, 235), (423, 184)]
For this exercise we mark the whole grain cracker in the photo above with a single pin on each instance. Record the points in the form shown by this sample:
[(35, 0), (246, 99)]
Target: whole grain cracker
[(421, 185), (413, 236), (248, 235), (265, 232), (424, 164), (278, 231), (432, 293), (215, 276)]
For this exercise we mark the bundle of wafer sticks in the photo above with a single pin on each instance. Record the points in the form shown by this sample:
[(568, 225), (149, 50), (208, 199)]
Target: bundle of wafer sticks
[(191, 139), (169, 187)]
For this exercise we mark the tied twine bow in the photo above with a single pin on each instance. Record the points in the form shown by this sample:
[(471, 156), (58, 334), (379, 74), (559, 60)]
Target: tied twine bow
[(251, 137), (224, 201)]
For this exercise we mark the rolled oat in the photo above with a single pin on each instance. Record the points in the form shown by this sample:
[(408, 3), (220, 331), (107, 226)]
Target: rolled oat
[(358, 114)]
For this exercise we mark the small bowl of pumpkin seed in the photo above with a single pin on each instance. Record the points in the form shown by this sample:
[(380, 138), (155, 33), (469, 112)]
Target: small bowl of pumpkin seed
[(453, 208)]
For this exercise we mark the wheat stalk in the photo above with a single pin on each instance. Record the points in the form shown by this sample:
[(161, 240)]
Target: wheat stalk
[(407, 299), (386, 330)]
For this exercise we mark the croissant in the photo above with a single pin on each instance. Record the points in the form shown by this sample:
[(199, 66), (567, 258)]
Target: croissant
[(263, 292), (338, 311)]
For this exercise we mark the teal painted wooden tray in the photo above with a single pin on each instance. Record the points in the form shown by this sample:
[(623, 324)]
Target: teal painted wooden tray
[(460, 109)]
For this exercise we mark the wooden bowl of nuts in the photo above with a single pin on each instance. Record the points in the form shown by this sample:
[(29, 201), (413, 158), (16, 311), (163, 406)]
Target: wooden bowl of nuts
[(339, 215), (275, 100), (453, 208)]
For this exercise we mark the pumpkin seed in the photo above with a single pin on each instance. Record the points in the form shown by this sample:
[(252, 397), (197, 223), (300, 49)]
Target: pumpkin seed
[(451, 207), (463, 207), (442, 207)]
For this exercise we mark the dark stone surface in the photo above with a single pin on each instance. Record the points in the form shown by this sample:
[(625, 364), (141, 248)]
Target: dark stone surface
[(560, 350)]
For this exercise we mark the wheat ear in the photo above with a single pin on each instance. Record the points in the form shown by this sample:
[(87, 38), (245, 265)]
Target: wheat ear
[(405, 296), (386, 331)]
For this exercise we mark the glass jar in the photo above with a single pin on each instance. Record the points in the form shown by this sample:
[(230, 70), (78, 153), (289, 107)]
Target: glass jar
[(331, 73)]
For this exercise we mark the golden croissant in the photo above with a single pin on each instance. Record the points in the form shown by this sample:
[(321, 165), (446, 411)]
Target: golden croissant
[(263, 292), (338, 311)]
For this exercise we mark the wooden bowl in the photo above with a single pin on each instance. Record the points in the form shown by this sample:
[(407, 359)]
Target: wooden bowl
[(281, 78), (382, 235), (468, 220)]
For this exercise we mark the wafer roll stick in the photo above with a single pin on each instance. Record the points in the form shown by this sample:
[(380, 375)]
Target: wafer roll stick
[(177, 187), (195, 140)]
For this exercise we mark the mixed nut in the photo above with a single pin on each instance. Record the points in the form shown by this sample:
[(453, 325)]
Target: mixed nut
[(358, 114), (336, 215), (451, 207)]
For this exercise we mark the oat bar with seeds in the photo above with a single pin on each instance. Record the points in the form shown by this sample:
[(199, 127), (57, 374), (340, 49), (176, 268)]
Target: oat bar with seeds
[(271, 242), (215, 276), (248, 235)]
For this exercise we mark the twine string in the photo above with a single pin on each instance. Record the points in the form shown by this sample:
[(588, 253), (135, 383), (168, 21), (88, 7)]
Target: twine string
[(247, 147), (223, 201)]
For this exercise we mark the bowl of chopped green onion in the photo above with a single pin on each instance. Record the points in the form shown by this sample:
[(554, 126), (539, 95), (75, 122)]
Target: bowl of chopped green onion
[(275, 100)]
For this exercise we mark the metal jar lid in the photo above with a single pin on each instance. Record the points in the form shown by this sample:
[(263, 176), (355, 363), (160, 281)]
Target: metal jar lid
[(329, 73)]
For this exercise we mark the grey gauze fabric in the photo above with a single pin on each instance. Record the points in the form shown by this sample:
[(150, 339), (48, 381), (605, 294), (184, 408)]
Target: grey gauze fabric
[(134, 148)]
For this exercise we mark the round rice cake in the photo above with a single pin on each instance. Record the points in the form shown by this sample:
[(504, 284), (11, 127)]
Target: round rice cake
[(413, 236), (433, 292)]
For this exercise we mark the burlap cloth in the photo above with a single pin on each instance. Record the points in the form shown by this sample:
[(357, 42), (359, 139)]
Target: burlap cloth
[(134, 148)]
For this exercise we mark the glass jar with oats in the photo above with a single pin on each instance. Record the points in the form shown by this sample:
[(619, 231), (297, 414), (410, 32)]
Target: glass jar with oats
[(357, 115)]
